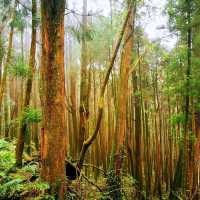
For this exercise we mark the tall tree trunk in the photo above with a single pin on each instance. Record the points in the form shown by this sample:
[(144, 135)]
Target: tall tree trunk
[(187, 142), (138, 128), (53, 136), (1, 62), (181, 179), (84, 107), (1, 53), (126, 62), (8, 57), (73, 98), (23, 125)]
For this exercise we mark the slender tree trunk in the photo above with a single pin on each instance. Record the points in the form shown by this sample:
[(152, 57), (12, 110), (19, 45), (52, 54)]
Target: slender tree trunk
[(8, 57), (181, 179), (73, 98), (187, 142), (84, 107), (1, 54), (138, 129), (23, 125)]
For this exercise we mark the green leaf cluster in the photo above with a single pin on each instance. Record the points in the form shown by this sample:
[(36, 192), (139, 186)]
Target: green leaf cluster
[(32, 115), (19, 68)]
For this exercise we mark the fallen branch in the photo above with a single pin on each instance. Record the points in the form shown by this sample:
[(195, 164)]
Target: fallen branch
[(95, 167), (92, 183)]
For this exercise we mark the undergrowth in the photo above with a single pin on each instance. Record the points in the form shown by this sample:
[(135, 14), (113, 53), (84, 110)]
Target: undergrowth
[(19, 183), (24, 183)]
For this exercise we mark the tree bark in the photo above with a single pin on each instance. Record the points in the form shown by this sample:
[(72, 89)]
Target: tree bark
[(126, 62), (53, 96)]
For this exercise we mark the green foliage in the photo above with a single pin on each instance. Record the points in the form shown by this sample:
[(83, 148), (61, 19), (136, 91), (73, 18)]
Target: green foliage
[(32, 115), (33, 169), (36, 20), (10, 189), (178, 119), (2, 48), (19, 21), (99, 48), (114, 186), (99, 37), (15, 184), (70, 196), (18, 189), (80, 35), (40, 186), (46, 197), (7, 157), (192, 138), (3, 144), (5, 3), (19, 68), (5, 8)]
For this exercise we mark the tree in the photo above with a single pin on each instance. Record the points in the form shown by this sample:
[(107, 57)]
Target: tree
[(120, 129), (8, 56), (53, 138), (126, 63), (84, 106), (181, 16), (23, 125)]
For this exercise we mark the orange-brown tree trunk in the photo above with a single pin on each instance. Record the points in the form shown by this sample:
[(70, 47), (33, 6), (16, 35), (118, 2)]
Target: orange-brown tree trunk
[(123, 92), (53, 96)]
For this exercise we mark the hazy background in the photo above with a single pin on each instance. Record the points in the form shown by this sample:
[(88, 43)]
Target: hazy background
[(153, 20)]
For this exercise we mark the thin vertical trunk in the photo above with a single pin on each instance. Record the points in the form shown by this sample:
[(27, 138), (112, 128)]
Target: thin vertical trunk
[(8, 57), (73, 98), (23, 125), (181, 179), (158, 159), (6, 116), (35, 104), (138, 129), (1, 54), (187, 142), (84, 107)]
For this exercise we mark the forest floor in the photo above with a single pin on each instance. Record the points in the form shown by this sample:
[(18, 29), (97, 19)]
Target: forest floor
[(24, 183)]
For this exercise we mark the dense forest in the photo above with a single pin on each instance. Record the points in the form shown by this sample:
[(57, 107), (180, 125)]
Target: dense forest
[(91, 107)]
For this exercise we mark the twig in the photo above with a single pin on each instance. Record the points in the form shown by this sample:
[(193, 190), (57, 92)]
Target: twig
[(139, 59), (95, 167), (71, 11), (24, 6), (92, 183)]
